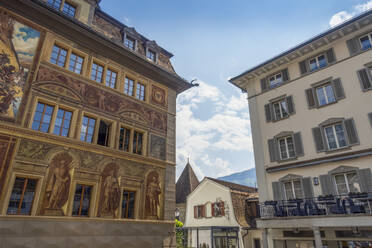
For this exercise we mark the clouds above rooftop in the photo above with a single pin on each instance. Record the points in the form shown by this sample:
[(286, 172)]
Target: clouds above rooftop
[(344, 15)]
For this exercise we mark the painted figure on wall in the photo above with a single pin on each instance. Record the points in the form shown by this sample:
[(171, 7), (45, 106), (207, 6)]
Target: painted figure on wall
[(110, 191), (18, 44), (153, 192), (58, 184)]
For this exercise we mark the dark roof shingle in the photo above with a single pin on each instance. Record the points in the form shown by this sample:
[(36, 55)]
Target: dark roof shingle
[(186, 184)]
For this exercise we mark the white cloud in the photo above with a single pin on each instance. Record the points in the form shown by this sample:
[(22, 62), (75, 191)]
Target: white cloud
[(344, 15), (224, 129), (21, 45)]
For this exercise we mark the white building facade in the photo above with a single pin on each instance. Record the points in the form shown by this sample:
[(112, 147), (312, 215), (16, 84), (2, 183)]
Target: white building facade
[(311, 119)]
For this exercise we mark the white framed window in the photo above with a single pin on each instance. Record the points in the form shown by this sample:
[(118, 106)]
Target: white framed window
[(347, 182), (366, 41), (325, 94), (335, 136), (286, 148), (281, 109), (293, 189), (317, 62), (275, 80)]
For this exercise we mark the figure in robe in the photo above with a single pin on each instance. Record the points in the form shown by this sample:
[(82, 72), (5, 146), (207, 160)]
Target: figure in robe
[(110, 192), (153, 192)]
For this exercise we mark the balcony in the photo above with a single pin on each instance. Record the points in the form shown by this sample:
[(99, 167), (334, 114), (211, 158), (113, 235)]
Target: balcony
[(331, 205)]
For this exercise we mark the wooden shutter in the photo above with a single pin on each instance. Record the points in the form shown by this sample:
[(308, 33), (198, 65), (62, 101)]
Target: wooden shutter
[(365, 178), (353, 45), (351, 132), (290, 105), (213, 213), (318, 139), (195, 212), (299, 149), (273, 150), (364, 79), (222, 207), (204, 214), (370, 118), (303, 67), (307, 187), (339, 90), (263, 84), (278, 191), (330, 56), (327, 185), (285, 75), (310, 98), (268, 112)]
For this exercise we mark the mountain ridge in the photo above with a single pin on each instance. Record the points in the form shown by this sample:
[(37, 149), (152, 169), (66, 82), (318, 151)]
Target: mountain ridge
[(246, 177)]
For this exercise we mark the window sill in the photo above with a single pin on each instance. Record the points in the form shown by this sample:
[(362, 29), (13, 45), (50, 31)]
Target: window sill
[(346, 148), (325, 105), (287, 160), (284, 118)]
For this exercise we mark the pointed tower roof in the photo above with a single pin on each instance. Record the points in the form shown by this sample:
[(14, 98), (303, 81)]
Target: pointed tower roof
[(186, 183)]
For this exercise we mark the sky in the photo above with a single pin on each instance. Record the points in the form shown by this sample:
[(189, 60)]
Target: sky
[(212, 41)]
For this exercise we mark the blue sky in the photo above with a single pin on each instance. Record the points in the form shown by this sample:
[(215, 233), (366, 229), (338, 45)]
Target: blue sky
[(213, 41)]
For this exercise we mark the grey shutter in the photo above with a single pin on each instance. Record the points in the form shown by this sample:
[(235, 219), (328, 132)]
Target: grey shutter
[(285, 75), (353, 45), (318, 139), (327, 185), (364, 79), (339, 90), (290, 105), (310, 98), (303, 67), (330, 56), (370, 118), (272, 112), (299, 148), (307, 187), (273, 150), (263, 84), (268, 112), (365, 178), (351, 132), (278, 191)]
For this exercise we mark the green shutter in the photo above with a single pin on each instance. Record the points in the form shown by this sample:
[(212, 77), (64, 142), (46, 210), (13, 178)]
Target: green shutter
[(268, 112), (365, 178), (353, 45), (310, 98), (299, 149), (278, 191), (330, 56), (351, 132), (339, 90), (327, 185), (364, 79), (285, 75), (290, 105), (263, 84), (307, 187), (303, 67), (320, 145)]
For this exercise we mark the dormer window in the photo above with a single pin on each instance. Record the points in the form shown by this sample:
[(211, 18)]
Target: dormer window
[(151, 55), (129, 42), (69, 9), (55, 4)]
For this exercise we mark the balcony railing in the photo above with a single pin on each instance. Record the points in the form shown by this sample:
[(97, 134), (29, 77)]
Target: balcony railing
[(354, 203)]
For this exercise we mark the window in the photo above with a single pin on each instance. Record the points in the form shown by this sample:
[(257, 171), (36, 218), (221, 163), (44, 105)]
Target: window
[(58, 56), (55, 4), (317, 62), (137, 142), (293, 189), (347, 182), (42, 117), (257, 243), (82, 200), (22, 196), (87, 129), (62, 123), (103, 133), (140, 91), (218, 209), (96, 74), (111, 78), (69, 9), (76, 63), (199, 211), (366, 41), (280, 109), (128, 204), (286, 148), (151, 55), (128, 86), (335, 136), (365, 78), (124, 138), (129, 42), (325, 95), (275, 80)]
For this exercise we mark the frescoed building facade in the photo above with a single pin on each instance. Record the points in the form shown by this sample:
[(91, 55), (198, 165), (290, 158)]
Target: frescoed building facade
[(311, 119), (87, 129)]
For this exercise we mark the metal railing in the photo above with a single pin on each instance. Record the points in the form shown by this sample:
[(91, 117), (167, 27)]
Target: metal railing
[(351, 204)]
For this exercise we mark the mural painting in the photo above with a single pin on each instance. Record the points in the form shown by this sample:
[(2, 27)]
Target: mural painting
[(58, 184), (157, 147), (6, 150), (158, 96), (110, 191), (18, 44), (153, 191)]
